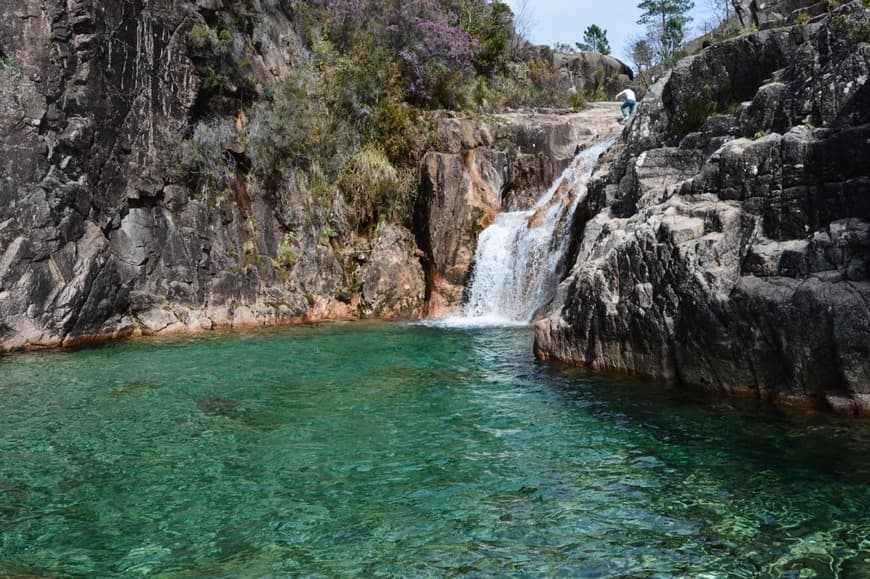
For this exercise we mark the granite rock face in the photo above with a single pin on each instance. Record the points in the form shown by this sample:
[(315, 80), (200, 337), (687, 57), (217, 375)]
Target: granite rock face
[(85, 117), (766, 14), (393, 285), (98, 237), (727, 248)]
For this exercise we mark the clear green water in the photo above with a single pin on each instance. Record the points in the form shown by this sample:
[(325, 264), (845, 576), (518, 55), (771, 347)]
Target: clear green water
[(372, 450)]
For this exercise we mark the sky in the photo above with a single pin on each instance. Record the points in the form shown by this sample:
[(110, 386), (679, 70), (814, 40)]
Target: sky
[(555, 21)]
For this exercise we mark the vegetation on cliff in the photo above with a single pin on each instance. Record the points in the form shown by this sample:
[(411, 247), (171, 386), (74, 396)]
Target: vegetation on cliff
[(363, 79)]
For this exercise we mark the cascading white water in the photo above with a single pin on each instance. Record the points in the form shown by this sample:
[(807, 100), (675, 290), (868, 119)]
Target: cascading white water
[(520, 256)]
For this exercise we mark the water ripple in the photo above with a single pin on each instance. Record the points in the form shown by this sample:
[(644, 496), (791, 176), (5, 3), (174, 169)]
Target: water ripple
[(407, 450)]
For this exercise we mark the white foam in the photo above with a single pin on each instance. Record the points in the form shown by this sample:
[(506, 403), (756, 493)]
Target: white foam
[(464, 322)]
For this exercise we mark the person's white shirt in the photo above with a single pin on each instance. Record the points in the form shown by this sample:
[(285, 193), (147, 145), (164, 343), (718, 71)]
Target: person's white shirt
[(629, 95)]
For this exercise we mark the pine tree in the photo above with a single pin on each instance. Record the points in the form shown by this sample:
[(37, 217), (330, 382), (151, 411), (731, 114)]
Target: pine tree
[(642, 55), (595, 40), (668, 19)]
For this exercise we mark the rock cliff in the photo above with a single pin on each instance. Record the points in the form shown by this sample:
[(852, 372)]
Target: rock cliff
[(97, 236), (727, 248)]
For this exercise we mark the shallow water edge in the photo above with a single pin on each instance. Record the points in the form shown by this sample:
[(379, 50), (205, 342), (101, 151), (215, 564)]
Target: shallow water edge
[(796, 404)]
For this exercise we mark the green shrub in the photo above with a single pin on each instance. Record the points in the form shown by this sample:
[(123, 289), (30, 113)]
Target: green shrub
[(226, 73), (326, 234), (318, 185), (400, 130), (295, 131), (858, 31), (696, 112), (206, 42), (366, 92), (10, 76), (546, 86), (727, 31), (202, 162), (375, 189), (8, 66), (493, 29), (243, 258), (577, 100), (287, 255)]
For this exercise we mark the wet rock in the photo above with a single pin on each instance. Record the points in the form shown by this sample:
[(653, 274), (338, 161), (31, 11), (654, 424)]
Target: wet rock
[(456, 205)]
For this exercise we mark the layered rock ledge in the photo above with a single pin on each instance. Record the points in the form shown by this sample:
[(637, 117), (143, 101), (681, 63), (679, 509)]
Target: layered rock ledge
[(727, 248)]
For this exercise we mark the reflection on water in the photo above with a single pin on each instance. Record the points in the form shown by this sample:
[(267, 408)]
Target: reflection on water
[(371, 449)]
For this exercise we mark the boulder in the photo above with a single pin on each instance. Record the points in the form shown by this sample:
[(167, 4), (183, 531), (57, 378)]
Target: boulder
[(594, 73)]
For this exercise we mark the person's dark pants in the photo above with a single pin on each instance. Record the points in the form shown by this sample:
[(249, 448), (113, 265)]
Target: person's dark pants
[(627, 105)]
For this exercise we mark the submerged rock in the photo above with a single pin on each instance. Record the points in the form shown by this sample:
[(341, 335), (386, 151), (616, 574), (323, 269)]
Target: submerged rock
[(221, 407), (727, 247)]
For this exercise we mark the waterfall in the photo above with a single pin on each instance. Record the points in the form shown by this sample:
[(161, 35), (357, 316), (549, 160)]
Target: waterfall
[(520, 257)]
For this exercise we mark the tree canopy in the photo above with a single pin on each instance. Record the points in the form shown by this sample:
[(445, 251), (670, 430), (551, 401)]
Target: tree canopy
[(595, 40), (664, 10), (666, 21)]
